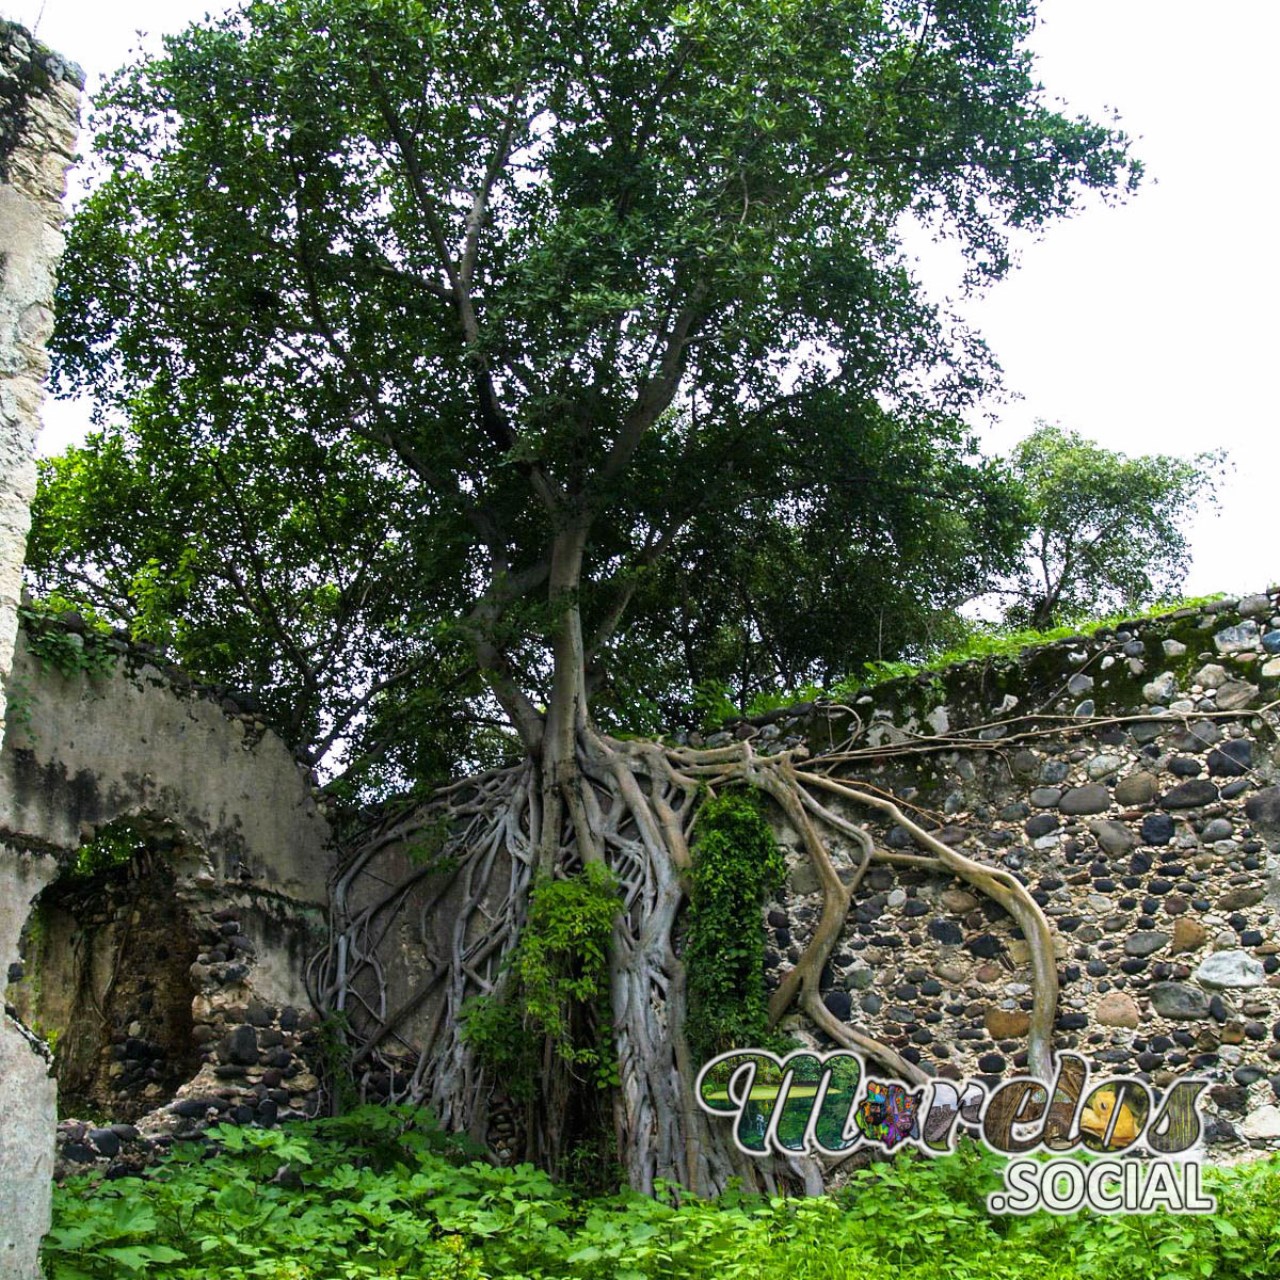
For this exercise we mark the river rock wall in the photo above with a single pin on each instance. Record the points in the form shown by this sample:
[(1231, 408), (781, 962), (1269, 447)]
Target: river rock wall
[(1130, 779)]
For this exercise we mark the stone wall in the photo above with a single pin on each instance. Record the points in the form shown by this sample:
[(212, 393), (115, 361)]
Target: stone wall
[(1127, 777), (1137, 801), (39, 107), (173, 981)]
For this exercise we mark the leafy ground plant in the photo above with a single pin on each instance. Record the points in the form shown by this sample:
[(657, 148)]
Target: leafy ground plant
[(381, 1192)]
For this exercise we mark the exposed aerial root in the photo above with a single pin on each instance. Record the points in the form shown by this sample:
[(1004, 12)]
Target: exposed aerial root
[(632, 805)]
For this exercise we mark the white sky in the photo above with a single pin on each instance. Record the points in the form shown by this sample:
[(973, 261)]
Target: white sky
[(1150, 327)]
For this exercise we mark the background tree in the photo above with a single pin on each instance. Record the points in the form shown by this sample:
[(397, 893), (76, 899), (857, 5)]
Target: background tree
[(1106, 529), (557, 288)]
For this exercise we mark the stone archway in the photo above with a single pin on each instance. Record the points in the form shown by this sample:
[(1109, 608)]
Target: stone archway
[(105, 976)]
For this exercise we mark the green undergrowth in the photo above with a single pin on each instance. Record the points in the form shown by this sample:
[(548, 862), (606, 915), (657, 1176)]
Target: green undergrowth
[(380, 1193)]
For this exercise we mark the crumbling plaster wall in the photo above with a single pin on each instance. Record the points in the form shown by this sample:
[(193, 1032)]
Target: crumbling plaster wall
[(236, 827), (39, 110), (92, 750)]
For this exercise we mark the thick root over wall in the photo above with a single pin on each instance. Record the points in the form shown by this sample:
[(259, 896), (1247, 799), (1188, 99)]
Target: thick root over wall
[(632, 805)]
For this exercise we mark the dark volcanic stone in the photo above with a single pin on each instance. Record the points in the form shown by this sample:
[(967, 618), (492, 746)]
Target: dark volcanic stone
[(985, 945), (241, 1046), (107, 1141), (1088, 799), (840, 1003), (946, 931), (1229, 1098), (1040, 825), (1232, 759), (1197, 737), (1263, 810), (193, 1108), (1217, 829), (1157, 828), (1217, 1130), (1144, 731), (1190, 795)]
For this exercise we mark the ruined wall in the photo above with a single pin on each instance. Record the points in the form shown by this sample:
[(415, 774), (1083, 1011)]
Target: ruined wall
[(39, 104), (89, 750), (1127, 777), (172, 982), (104, 977), (1151, 841)]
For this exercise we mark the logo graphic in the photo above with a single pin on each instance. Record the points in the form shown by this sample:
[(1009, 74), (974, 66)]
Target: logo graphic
[(887, 1114), (826, 1104)]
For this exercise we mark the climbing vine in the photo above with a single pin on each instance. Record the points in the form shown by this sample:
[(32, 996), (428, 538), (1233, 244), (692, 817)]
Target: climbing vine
[(55, 645), (558, 972), (736, 865)]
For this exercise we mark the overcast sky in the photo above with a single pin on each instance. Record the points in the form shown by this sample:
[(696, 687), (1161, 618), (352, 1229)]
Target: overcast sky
[(1150, 327)]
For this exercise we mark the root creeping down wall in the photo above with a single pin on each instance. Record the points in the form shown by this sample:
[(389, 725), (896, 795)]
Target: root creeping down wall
[(1125, 780)]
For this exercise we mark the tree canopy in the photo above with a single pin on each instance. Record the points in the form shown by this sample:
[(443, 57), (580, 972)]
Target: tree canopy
[(526, 367), (430, 345), (1106, 529)]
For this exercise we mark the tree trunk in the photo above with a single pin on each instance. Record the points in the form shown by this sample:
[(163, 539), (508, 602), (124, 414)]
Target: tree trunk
[(584, 798)]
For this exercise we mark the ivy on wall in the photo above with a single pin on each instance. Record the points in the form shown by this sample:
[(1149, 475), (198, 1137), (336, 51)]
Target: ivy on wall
[(67, 651), (736, 865), (559, 969)]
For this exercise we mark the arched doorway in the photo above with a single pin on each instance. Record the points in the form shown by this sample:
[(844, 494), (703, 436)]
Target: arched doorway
[(104, 975)]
